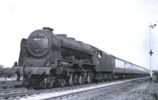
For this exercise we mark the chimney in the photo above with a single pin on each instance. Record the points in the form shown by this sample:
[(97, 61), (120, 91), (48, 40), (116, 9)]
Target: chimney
[(48, 29)]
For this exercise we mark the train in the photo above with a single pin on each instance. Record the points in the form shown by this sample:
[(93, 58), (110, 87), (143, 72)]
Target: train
[(48, 60)]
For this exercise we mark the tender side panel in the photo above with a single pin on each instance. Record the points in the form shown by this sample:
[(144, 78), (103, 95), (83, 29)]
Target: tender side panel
[(106, 63)]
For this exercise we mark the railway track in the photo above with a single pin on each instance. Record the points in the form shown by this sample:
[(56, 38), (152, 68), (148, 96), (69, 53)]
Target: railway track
[(9, 84), (11, 91), (65, 93), (23, 92), (95, 92)]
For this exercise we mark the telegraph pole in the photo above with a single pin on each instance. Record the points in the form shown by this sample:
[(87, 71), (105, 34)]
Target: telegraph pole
[(150, 47), (150, 51)]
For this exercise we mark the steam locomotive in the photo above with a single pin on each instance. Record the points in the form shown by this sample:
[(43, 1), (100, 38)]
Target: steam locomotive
[(47, 59)]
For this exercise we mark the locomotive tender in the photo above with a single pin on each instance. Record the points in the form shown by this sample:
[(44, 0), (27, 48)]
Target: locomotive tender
[(48, 59)]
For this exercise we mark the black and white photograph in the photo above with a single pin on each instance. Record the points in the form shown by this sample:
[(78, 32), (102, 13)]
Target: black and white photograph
[(79, 50)]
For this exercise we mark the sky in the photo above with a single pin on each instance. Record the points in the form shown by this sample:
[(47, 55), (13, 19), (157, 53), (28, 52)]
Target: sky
[(118, 27)]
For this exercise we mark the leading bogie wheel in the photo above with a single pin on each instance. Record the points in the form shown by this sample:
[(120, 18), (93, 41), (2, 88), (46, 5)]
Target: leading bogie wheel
[(47, 82), (62, 82)]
